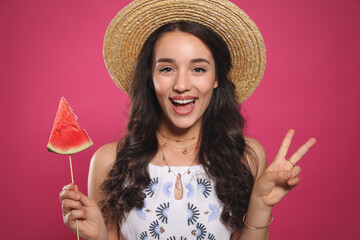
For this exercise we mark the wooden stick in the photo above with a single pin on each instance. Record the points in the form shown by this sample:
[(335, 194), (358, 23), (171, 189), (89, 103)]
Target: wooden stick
[(71, 170), (72, 180)]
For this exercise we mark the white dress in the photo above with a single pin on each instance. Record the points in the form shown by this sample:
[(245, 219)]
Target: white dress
[(195, 216)]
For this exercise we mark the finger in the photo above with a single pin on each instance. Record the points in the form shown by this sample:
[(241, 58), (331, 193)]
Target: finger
[(68, 187), (302, 150), (68, 205), (69, 194), (73, 216), (286, 143), (278, 176), (292, 183), (295, 171), (86, 201)]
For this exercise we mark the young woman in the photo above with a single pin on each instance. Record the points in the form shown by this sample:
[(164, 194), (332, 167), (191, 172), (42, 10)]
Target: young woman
[(184, 170)]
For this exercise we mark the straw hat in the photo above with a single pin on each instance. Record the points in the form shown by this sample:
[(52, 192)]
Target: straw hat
[(130, 28)]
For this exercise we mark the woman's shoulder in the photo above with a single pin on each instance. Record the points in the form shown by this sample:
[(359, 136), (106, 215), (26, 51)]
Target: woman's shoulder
[(106, 154), (256, 147), (257, 150)]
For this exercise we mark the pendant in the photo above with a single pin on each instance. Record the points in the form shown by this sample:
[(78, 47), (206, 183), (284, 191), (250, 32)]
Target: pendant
[(185, 152), (178, 184), (178, 191)]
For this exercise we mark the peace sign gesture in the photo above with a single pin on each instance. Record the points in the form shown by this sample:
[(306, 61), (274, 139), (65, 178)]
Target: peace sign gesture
[(281, 175)]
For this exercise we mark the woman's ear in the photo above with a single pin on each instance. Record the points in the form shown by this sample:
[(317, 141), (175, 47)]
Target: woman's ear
[(216, 83)]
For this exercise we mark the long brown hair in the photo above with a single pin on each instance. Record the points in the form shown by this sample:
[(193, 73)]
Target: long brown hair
[(222, 145)]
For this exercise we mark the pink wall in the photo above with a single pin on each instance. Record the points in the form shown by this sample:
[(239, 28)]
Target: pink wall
[(51, 49)]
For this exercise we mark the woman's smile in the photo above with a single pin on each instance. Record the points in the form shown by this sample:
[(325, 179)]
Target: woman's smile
[(183, 105)]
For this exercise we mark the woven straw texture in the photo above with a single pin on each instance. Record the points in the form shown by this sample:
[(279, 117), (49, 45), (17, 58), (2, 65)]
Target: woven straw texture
[(134, 23)]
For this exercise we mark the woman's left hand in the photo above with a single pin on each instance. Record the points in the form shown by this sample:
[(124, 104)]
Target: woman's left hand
[(281, 175)]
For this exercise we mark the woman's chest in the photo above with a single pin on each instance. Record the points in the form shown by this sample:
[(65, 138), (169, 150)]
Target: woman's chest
[(195, 216)]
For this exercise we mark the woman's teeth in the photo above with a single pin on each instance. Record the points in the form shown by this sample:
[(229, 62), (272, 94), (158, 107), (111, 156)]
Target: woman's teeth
[(184, 101), (183, 107)]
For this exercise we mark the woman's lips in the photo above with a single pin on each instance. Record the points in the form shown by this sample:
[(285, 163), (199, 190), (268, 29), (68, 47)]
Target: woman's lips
[(183, 105)]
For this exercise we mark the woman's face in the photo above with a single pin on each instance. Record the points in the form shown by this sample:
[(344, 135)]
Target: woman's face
[(184, 78)]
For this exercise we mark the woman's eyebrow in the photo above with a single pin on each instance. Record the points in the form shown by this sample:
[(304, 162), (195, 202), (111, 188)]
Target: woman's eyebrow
[(198, 60), (169, 60)]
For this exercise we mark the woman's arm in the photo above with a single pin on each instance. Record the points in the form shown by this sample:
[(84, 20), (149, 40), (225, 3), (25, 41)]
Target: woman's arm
[(254, 211), (257, 169), (101, 163), (82, 211), (271, 185)]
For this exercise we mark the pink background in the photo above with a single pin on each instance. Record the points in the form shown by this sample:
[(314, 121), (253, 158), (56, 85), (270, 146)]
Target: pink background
[(50, 49)]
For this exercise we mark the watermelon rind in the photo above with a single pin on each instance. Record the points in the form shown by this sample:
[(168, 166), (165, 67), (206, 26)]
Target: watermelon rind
[(67, 137), (53, 149)]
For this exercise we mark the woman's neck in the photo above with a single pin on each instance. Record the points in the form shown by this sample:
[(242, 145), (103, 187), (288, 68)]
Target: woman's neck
[(182, 136), (179, 146)]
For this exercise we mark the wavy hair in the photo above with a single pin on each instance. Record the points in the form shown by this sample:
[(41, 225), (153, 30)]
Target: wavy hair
[(223, 151)]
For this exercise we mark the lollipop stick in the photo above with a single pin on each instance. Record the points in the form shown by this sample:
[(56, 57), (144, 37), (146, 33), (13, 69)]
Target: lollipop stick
[(72, 180)]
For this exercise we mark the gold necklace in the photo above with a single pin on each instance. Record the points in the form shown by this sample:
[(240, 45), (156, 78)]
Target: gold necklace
[(185, 148), (178, 176), (179, 140)]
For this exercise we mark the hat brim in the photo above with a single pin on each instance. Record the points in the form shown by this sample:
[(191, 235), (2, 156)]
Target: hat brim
[(130, 28)]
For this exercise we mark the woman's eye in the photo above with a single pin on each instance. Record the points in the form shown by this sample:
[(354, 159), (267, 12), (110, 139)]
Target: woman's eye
[(166, 69), (199, 69)]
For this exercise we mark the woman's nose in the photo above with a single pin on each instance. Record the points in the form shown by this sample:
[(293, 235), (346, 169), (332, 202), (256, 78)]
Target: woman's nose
[(182, 82)]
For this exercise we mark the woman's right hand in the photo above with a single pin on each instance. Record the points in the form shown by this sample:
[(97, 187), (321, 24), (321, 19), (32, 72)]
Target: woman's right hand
[(77, 206)]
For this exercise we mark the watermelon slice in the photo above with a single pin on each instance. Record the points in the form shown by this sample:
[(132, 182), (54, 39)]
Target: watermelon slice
[(67, 137)]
